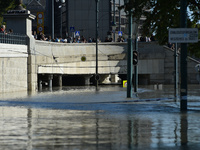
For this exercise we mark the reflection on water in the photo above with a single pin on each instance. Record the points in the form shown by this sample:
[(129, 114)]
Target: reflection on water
[(23, 128), (42, 122)]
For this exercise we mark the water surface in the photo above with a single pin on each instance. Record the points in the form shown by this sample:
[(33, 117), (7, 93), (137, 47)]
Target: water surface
[(81, 118)]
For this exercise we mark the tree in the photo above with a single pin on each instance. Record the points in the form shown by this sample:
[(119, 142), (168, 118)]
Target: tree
[(162, 15), (5, 5)]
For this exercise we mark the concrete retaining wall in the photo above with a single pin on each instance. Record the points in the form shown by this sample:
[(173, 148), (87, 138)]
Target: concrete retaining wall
[(156, 63), (13, 68), (169, 67), (48, 52)]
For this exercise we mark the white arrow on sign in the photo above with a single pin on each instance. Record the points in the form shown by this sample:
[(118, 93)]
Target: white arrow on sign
[(77, 33)]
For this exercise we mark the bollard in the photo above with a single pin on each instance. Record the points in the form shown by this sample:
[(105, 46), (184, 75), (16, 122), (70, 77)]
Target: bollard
[(160, 86)]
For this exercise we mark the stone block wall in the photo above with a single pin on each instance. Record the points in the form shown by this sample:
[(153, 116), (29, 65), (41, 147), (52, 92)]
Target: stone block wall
[(13, 74), (169, 67), (156, 64), (13, 68)]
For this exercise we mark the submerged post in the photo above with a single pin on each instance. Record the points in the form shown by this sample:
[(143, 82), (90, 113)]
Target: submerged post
[(135, 56), (97, 34), (130, 58), (176, 78), (183, 92)]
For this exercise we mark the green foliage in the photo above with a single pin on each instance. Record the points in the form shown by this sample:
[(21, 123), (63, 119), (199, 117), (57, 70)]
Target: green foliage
[(164, 14), (162, 17), (5, 5), (194, 48)]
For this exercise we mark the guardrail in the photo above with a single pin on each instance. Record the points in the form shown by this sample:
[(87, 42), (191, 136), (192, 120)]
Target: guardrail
[(13, 38)]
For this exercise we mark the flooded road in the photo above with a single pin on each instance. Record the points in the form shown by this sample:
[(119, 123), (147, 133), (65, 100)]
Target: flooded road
[(81, 118)]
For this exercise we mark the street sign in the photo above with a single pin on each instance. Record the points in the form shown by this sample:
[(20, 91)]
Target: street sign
[(120, 33), (40, 29), (77, 33), (40, 22), (183, 35), (72, 29)]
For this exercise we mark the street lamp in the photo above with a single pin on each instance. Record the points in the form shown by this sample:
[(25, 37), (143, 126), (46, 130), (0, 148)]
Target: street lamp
[(62, 1)]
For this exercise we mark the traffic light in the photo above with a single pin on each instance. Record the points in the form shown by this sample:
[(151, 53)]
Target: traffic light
[(135, 57)]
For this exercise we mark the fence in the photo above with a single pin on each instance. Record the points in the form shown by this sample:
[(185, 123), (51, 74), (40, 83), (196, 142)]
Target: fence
[(13, 38)]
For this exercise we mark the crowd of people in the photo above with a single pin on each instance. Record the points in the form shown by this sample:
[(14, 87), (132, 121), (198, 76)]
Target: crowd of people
[(82, 39), (3, 30), (70, 39), (78, 39)]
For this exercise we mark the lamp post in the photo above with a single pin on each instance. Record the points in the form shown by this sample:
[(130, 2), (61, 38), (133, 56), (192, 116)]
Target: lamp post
[(61, 5), (52, 5), (60, 20)]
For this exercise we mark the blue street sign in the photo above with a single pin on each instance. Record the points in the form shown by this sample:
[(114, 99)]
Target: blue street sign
[(72, 29), (120, 33), (77, 33)]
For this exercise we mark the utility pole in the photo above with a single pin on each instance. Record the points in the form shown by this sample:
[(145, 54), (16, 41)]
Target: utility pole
[(183, 92)]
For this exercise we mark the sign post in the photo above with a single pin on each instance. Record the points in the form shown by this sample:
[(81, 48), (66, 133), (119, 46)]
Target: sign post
[(184, 36), (176, 75)]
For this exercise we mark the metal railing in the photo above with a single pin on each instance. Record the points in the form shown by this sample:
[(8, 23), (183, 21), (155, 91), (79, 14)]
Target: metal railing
[(13, 38)]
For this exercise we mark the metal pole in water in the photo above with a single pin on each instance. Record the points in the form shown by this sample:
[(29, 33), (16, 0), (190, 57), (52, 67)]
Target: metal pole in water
[(176, 78), (135, 68), (97, 34), (130, 58), (184, 89)]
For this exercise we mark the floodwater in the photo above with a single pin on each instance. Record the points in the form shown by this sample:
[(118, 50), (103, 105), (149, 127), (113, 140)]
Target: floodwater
[(83, 118)]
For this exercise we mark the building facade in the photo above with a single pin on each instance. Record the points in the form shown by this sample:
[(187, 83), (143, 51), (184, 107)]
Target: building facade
[(79, 15)]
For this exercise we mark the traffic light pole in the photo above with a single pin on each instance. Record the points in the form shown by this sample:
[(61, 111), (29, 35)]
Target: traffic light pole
[(130, 58), (136, 67)]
